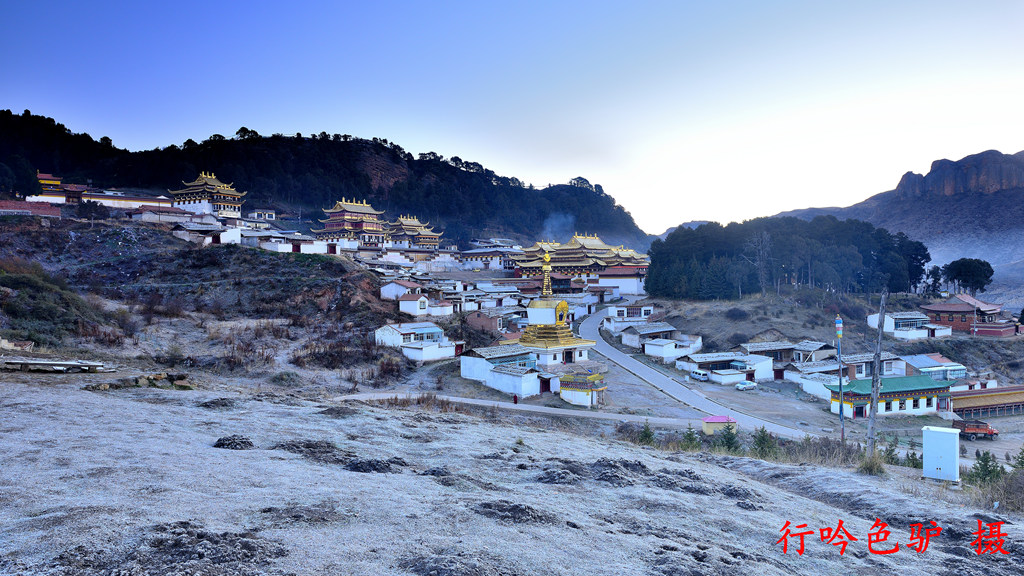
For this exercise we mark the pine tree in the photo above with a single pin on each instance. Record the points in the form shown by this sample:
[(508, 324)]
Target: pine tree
[(1018, 461), (765, 445), (889, 455), (691, 440), (646, 435), (728, 439), (986, 469)]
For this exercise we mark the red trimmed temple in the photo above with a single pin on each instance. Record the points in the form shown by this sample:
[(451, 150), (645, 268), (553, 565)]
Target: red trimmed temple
[(353, 220), (965, 313)]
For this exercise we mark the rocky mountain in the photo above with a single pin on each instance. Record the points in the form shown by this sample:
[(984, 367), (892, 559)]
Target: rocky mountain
[(303, 174), (970, 208)]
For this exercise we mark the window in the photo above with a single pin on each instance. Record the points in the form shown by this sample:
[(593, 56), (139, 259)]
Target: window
[(929, 402), (888, 405), (423, 304), (963, 317), (917, 403), (903, 404), (983, 385), (888, 367), (621, 313), (970, 386), (950, 317), (647, 312), (406, 337)]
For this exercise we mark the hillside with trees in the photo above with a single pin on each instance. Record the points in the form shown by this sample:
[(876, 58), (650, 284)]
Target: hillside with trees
[(309, 172), (972, 207), (718, 262)]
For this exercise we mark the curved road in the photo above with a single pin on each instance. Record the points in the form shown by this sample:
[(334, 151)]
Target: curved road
[(589, 329)]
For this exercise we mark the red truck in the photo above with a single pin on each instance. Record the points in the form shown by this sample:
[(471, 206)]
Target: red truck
[(971, 429)]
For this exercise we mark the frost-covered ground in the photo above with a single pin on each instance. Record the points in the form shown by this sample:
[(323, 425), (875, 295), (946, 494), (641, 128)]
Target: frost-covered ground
[(129, 482)]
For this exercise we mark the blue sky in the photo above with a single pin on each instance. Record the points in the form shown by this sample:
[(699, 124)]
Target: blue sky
[(681, 110)]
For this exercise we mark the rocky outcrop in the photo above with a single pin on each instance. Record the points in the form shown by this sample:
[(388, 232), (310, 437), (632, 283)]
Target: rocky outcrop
[(985, 173)]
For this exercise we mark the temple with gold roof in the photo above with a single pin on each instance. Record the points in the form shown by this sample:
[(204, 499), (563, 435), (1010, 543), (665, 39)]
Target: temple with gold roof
[(589, 258), (353, 220), (409, 232), (580, 256), (208, 195)]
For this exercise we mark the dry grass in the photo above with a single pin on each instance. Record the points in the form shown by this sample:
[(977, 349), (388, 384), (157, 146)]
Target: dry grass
[(425, 401)]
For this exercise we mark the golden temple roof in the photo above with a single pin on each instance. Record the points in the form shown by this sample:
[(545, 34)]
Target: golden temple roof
[(353, 205), (208, 182)]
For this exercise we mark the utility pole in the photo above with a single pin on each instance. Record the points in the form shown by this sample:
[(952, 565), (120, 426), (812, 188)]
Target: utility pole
[(876, 378), (842, 406)]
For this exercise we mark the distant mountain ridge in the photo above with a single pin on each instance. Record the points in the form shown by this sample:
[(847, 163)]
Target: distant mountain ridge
[(970, 208), (462, 198)]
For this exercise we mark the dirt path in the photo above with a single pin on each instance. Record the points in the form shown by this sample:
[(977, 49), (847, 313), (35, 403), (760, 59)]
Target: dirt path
[(547, 410)]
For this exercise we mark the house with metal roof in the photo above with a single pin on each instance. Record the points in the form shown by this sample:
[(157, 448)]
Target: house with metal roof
[(904, 395), (728, 367), (634, 336), (910, 326), (936, 366), (418, 341), (669, 351)]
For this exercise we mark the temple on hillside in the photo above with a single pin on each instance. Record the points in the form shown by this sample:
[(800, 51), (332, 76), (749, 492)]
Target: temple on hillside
[(580, 256), (589, 258), (208, 195), (409, 232), (548, 335), (353, 220)]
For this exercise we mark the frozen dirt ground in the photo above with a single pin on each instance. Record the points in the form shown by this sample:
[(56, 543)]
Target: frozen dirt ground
[(129, 482)]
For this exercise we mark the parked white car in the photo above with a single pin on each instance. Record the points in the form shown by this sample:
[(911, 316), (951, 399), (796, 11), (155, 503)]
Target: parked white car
[(746, 386)]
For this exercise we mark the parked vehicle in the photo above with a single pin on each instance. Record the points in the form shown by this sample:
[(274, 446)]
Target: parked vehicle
[(971, 429), (746, 386), (700, 375)]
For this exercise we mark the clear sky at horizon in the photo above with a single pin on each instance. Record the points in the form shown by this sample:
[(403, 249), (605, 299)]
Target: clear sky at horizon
[(680, 110)]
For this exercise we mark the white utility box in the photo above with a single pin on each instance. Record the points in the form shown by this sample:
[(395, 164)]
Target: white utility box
[(941, 450)]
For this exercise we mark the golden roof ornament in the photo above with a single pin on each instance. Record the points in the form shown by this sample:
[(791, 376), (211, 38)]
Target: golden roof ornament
[(545, 289)]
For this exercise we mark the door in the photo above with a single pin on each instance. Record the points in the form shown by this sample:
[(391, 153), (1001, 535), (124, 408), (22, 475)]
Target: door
[(750, 376), (545, 385), (569, 356), (858, 412)]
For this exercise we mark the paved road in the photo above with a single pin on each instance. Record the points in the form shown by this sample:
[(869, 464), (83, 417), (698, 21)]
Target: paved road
[(589, 329), (546, 410)]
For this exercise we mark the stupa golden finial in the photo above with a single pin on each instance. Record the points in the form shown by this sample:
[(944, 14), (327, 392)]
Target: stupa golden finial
[(545, 289)]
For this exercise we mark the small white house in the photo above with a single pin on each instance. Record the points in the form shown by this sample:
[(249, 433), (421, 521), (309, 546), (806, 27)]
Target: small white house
[(729, 367), (477, 363), (397, 288), (669, 350), (419, 341), (910, 326), (618, 318), (634, 336), (522, 381), (414, 304), (936, 366)]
